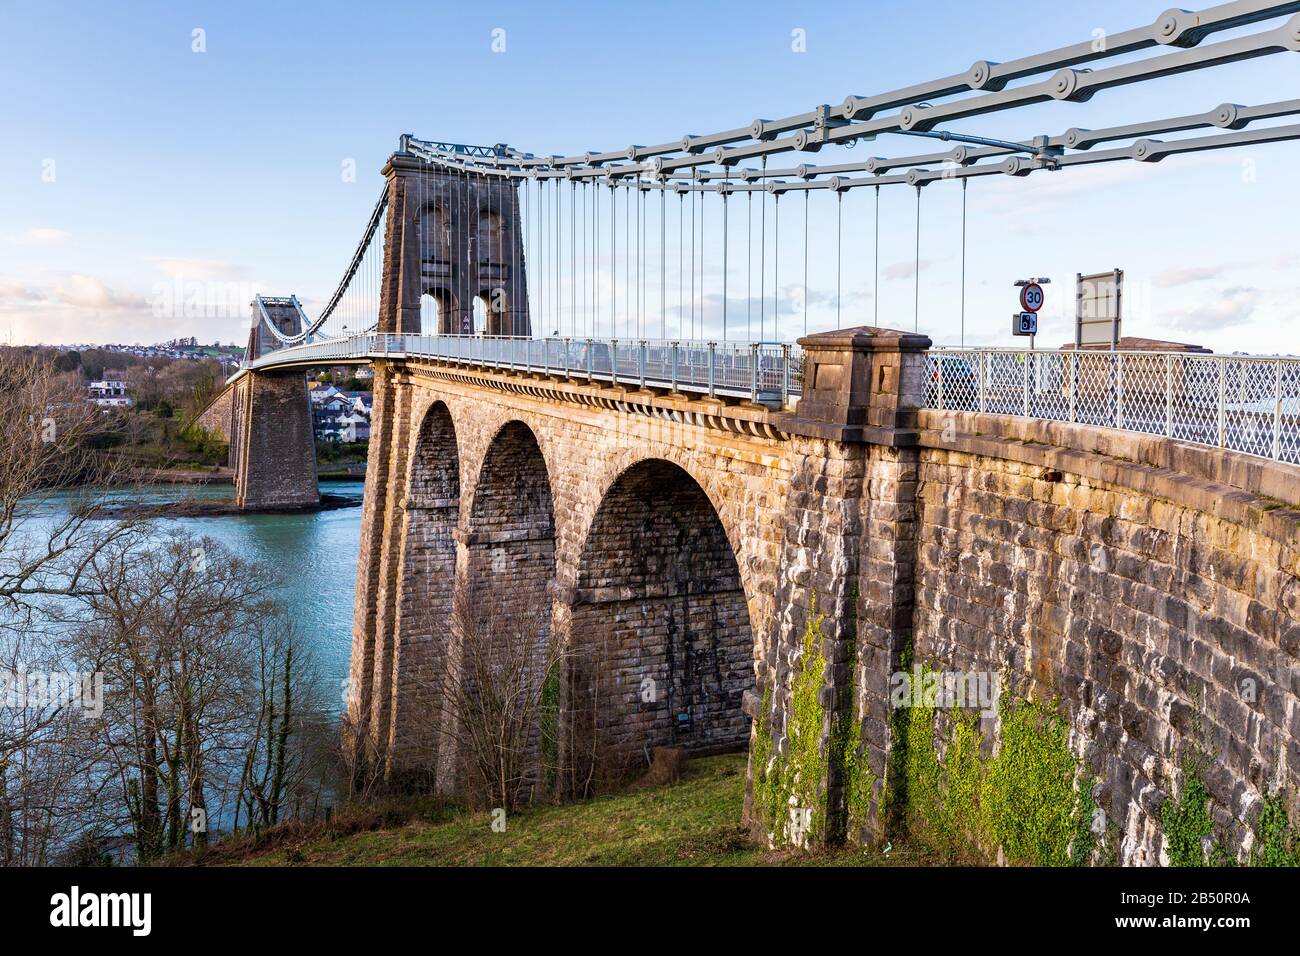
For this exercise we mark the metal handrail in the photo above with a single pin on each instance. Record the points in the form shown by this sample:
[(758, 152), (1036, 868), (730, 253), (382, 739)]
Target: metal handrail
[(1245, 403), (767, 373)]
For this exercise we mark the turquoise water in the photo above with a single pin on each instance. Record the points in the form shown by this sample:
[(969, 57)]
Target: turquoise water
[(314, 554)]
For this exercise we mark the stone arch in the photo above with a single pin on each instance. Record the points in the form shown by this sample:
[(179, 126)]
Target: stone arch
[(513, 509), (661, 644), (489, 235), (506, 567), (438, 312), (740, 536), (477, 443), (482, 313), (435, 464), (435, 230), (492, 311), (426, 585)]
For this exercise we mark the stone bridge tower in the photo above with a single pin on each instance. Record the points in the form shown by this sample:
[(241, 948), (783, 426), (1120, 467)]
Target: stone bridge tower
[(457, 238), (272, 444)]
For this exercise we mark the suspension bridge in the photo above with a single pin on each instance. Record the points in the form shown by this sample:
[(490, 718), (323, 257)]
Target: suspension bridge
[(591, 412)]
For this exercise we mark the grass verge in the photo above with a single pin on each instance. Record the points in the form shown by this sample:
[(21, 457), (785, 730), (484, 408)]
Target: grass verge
[(693, 822)]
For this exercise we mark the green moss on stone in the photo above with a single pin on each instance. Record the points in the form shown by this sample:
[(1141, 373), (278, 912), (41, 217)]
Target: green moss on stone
[(797, 781), (1029, 792)]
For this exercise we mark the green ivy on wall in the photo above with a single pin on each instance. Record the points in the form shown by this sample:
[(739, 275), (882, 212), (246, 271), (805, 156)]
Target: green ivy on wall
[(1023, 799), (1031, 798), (796, 782), (848, 755), (550, 726), (1033, 811), (1186, 822), (1277, 841)]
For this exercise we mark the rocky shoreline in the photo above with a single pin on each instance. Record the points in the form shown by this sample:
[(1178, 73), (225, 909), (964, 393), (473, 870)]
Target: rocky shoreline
[(207, 509)]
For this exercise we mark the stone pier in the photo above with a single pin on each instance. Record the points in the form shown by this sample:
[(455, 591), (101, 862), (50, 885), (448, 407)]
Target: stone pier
[(273, 451)]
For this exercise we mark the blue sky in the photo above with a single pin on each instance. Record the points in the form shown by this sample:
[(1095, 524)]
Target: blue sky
[(225, 166)]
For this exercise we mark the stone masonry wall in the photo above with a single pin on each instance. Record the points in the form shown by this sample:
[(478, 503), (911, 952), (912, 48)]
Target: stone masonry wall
[(219, 417), (1147, 589), (380, 520), (507, 567), (425, 583), (1160, 610), (584, 449)]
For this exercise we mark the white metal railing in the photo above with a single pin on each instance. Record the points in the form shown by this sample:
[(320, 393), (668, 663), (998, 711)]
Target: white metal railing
[(765, 372), (1245, 403)]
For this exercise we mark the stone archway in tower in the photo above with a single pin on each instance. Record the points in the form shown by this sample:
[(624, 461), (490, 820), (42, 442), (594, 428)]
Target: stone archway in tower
[(438, 312)]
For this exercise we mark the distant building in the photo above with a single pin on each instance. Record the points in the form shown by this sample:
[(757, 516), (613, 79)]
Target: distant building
[(320, 392), (109, 393), (337, 415), (360, 402), (354, 428)]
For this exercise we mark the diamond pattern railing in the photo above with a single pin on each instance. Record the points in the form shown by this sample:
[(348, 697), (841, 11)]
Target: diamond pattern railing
[(1245, 403)]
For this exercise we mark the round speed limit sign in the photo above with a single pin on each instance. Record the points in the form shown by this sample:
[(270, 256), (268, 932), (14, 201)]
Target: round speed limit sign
[(1031, 297)]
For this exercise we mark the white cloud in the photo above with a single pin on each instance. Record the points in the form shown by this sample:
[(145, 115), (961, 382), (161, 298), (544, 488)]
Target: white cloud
[(1046, 185), (1230, 307), (74, 308), (15, 292), (1176, 277), (87, 292), (180, 267), (905, 269), (45, 235)]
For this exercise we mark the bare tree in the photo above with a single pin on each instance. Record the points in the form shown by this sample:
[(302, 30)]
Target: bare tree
[(166, 621), (492, 699), (48, 448), (198, 666), (288, 766), (48, 452)]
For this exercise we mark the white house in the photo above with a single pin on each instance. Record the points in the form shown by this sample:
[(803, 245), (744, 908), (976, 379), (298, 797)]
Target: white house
[(354, 428), (109, 393), (360, 402), (321, 392)]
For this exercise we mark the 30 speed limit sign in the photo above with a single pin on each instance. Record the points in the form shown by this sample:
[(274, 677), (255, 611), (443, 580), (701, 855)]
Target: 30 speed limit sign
[(1031, 297)]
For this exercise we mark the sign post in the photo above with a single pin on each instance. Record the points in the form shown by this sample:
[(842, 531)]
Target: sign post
[(1031, 300)]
